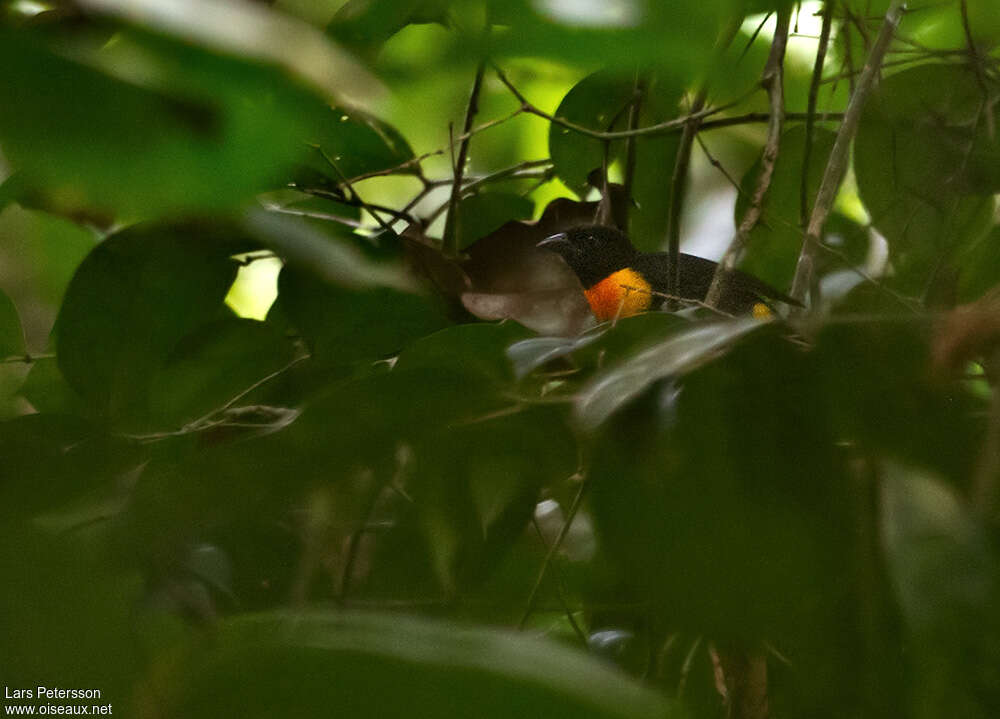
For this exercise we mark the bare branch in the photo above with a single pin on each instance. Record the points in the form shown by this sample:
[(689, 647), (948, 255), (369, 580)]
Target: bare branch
[(837, 164), (773, 81), (451, 223), (817, 76)]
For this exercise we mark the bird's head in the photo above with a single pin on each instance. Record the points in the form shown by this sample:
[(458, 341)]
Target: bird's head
[(592, 251)]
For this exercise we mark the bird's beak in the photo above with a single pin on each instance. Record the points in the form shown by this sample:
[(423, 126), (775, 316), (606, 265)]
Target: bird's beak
[(555, 242)]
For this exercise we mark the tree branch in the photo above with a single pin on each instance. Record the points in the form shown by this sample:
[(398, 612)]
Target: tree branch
[(817, 76), (450, 238), (837, 165), (774, 82)]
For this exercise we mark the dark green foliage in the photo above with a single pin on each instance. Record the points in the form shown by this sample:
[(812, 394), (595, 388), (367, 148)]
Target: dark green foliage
[(132, 299), (933, 203), (371, 665), (342, 497)]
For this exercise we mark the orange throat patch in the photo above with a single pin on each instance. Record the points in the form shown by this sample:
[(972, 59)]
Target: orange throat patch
[(621, 294)]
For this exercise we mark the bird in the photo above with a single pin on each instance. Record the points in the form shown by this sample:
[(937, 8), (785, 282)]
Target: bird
[(620, 281)]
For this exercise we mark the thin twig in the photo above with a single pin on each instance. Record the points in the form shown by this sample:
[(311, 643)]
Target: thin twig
[(520, 173), (977, 65), (450, 239), (550, 555), (753, 37), (205, 421), (326, 216), (662, 128), (817, 76), (353, 196), (774, 83), (515, 172), (837, 164), (355, 201), (635, 109), (559, 592), (678, 181)]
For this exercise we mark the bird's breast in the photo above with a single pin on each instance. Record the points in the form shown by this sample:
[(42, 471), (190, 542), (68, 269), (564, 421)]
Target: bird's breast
[(621, 294)]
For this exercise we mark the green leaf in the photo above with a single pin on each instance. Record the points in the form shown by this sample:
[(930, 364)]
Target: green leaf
[(11, 334), (364, 25), (530, 354), (370, 665), (979, 267), (194, 130), (924, 165), (68, 611), (131, 300), (49, 392), (345, 326), (877, 378), (256, 34), (51, 461), (329, 251), (211, 367), (603, 344), (478, 349), (477, 486), (354, 143), (600, 101), (776, 241), (718, 497), (945, 574), (481, 214), (612, 389), (616, 36), (48, 250)]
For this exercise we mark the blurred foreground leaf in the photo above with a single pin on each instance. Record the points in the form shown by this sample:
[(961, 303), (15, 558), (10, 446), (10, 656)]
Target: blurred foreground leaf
[(617, 385), (367, 665), (147, 126), (945, 573), (130, 301)]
